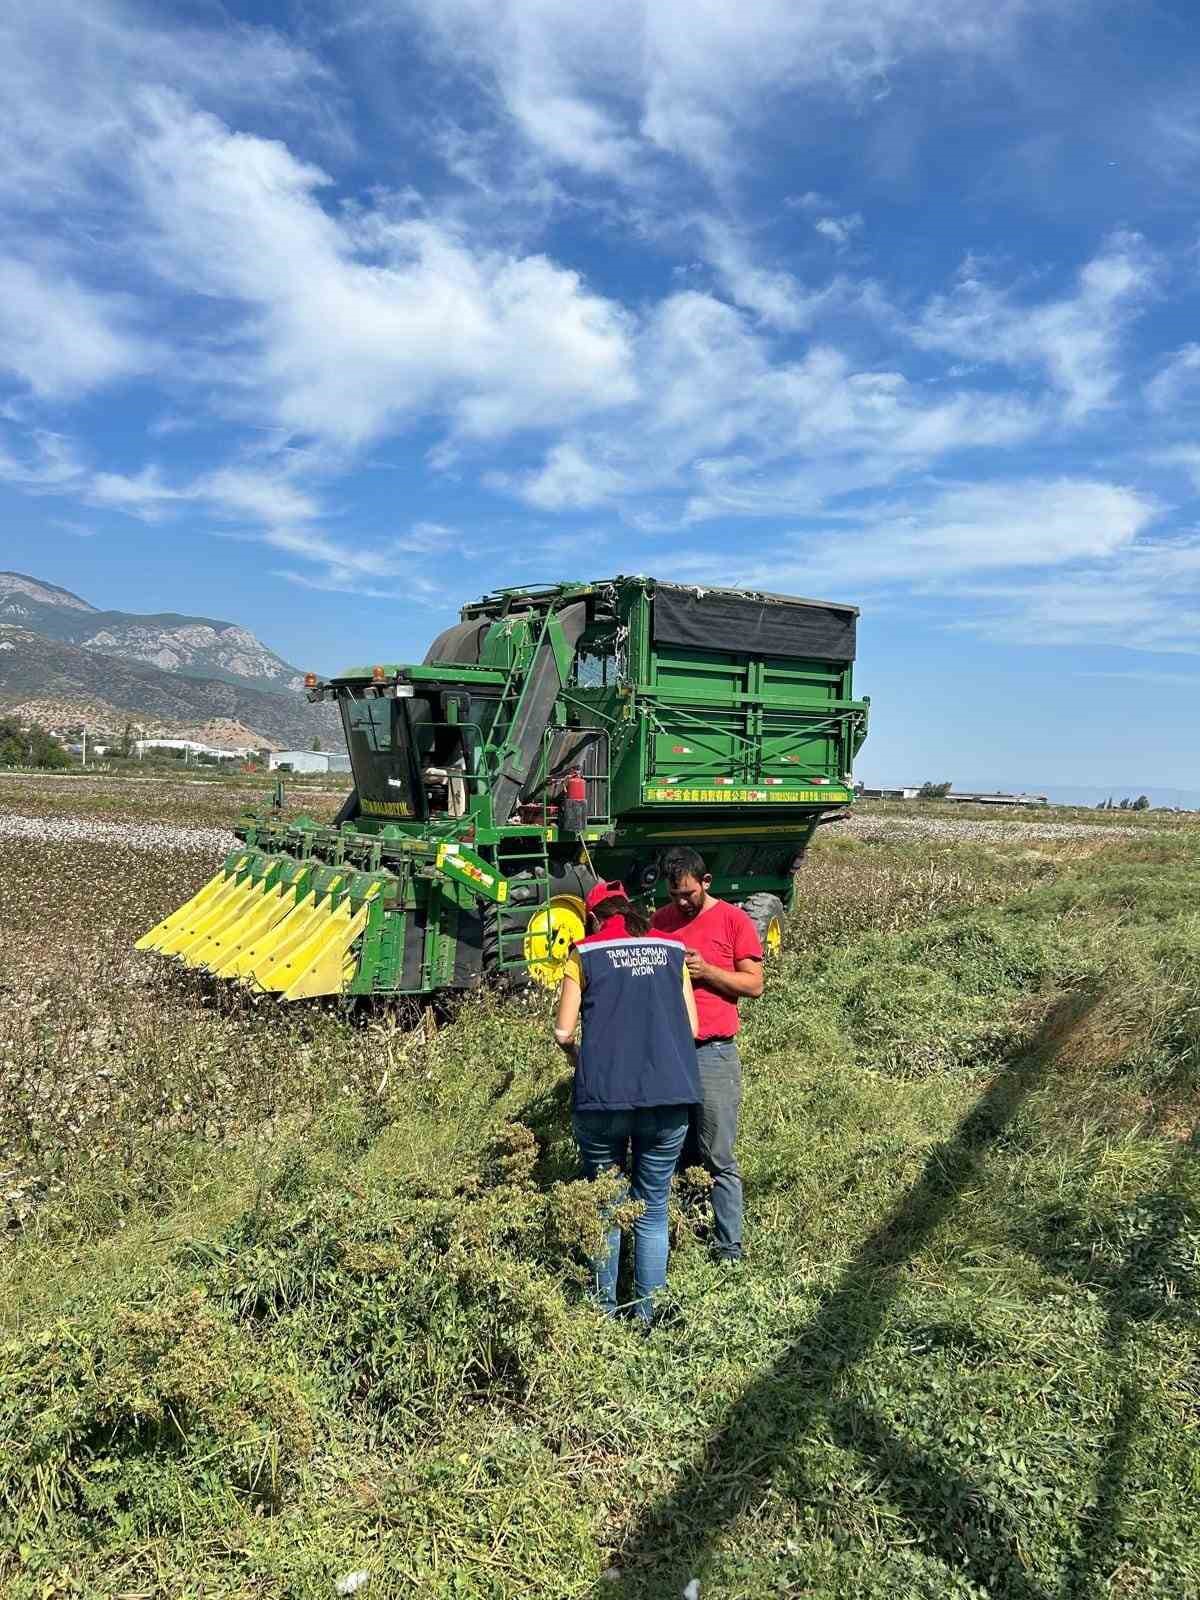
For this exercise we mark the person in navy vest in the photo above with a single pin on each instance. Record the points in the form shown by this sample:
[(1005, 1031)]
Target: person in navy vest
[(636, 1079)]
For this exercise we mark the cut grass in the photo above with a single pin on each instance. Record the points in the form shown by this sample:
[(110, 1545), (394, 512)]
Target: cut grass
[(286, 1299)]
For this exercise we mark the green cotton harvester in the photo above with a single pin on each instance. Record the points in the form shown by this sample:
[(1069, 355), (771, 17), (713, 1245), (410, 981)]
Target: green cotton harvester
[(554, 735)]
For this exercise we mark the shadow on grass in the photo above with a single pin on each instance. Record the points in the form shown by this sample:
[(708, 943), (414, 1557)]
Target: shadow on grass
[(1151, 1258), (762, 1431)]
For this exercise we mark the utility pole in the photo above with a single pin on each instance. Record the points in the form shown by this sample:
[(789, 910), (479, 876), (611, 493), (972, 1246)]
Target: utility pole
[(85, 745)]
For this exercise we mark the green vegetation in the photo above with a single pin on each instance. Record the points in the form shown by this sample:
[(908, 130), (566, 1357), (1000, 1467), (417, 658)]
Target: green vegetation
[(285, 1298), (30, 747)]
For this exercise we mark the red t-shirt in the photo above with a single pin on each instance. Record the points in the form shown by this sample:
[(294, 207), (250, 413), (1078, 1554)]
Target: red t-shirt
[(723, 935)]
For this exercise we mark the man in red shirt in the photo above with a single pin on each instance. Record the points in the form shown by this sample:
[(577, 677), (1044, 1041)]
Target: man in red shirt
[(725, 961)]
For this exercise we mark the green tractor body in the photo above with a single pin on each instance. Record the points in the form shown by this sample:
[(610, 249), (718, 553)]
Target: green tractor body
[(552, 736)]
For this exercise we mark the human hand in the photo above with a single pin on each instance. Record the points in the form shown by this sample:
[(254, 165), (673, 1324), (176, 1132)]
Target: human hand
[(696, 964)]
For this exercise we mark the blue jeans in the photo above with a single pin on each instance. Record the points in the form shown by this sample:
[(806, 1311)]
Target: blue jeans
[(656, 1134), (716, 1132)]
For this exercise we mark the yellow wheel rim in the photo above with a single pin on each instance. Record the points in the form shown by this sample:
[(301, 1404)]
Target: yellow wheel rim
[(773, 940), (551, 932)]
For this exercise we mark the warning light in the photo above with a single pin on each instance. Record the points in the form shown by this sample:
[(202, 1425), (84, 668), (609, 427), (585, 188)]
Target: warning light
[(310, 680), (378, 675)]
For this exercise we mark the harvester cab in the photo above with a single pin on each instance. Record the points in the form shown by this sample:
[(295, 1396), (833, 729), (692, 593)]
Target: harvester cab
[(552, 736)]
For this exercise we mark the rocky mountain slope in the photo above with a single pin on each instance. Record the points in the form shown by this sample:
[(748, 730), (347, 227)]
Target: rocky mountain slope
[(35, 668), (199, 647), (105, 722)]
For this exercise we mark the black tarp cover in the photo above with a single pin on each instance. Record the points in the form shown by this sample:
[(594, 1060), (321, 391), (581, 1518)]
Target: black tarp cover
[(755, 625), (459, 644)]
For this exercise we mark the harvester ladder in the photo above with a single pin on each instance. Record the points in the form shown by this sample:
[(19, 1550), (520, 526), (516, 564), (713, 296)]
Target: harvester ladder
[(528, 865), (526, 868)]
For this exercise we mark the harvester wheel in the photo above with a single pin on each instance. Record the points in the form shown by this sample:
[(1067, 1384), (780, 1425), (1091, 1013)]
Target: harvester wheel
[(537, 932), (767, 914), (513, 923), (549, 936)]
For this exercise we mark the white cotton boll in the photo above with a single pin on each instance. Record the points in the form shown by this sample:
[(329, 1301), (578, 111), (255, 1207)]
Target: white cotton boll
[(352, 1582), (692, 1590)]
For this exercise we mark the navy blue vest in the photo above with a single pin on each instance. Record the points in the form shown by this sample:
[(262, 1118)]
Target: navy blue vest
[(636, 1047)]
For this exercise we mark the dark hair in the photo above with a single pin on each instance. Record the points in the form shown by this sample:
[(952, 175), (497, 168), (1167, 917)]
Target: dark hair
[(683, 862), (616, 905)]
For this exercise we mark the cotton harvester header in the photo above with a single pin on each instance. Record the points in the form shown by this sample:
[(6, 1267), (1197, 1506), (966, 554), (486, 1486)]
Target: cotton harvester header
[(554, 735)]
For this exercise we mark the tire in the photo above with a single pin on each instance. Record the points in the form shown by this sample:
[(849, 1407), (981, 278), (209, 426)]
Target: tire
[(514, 921), (766, 912), (565, 880)]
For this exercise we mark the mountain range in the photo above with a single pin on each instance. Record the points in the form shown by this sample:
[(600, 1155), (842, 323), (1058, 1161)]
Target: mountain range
[(161, 670)]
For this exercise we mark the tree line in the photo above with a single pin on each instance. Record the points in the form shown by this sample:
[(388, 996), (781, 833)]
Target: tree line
[(29, 747)]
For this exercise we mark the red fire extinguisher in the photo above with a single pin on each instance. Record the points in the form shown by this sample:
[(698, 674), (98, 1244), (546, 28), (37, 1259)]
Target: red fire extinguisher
[(574, 818)]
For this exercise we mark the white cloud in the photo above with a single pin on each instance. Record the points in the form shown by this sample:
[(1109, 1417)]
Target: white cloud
[(978, 527), (356, 326), (1075, 339), (839, 230), (569, 480), (1182, 457), (1167, 128), (1037, 561), (774, 295), (335, 318), (1177, 380), (283, 516), (236, 494), (603, 89), (1146, 597), (344, 326), (69, 70), (962, 529), (48, 463), (361, 568), (61, 338), (1144, 594), (260, 496), (70, 74), (142, 494), (734, 430)]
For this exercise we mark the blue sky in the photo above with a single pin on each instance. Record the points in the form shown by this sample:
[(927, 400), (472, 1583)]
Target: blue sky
[(326, 319)]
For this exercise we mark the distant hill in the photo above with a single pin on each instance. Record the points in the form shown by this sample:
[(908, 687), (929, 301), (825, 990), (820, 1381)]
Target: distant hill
[(102, 721), (197, 647), (37, 669)]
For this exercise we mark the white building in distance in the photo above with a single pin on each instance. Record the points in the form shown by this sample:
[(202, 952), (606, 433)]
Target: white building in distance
[(188, 747), (308, 761)]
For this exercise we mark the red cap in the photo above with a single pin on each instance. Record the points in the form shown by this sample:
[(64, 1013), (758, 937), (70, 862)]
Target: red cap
[(602, 891)]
